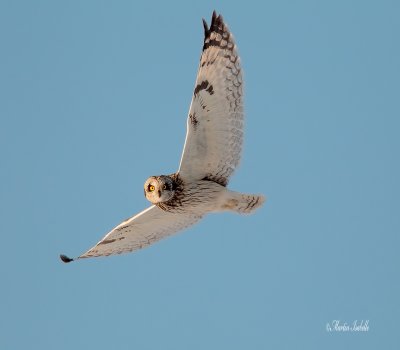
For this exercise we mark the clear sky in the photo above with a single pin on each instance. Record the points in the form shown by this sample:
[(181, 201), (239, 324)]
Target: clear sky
[(94, 97)]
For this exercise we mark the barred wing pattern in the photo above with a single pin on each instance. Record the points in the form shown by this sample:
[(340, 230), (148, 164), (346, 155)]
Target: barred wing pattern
[(215, 122), (138, 232)]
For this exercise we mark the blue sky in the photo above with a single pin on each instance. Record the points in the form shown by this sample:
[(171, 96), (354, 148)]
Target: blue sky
[(91, 90)]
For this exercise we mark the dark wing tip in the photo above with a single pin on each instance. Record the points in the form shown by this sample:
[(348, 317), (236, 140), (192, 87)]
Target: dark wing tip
[(205, 25), (217, 25), (216, 21), (65, 258)]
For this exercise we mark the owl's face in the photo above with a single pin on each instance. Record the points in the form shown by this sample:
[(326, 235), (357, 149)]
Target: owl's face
[(159, 189)]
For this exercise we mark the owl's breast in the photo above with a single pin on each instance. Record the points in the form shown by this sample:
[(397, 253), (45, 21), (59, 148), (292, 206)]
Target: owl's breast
[(199, 197)]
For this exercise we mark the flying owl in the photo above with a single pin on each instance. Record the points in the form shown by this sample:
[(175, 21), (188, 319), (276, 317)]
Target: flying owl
[(211, 154)]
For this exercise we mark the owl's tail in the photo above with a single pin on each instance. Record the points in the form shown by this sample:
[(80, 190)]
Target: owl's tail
[(242, 203)]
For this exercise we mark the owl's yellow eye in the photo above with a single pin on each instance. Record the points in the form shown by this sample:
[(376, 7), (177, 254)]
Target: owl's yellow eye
[(151, 188), (164, 187)]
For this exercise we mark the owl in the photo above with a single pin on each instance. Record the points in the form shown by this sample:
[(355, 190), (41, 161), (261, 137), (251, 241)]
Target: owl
[(210, 155)]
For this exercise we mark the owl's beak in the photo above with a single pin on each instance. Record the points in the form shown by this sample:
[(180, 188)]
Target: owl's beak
[(144, 191)]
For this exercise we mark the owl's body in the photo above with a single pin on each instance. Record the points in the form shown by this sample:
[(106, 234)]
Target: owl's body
[(211, 154), (198, 197)]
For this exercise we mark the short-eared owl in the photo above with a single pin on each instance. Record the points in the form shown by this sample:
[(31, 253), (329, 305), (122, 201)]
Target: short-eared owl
[(210, 155)]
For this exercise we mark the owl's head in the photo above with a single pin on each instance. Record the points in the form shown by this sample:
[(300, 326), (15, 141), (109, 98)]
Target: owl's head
[(158, 189)]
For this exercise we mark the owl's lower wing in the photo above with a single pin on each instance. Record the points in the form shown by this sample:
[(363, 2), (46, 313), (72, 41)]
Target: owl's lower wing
[(215, 123), (138, 232)]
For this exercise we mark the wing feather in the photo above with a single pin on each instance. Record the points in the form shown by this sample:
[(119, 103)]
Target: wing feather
[(139, 231), (215, 123)]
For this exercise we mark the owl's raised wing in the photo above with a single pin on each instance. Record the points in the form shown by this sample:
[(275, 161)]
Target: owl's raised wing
[(138, 232), (215, 122)]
